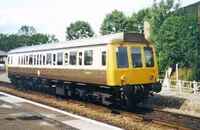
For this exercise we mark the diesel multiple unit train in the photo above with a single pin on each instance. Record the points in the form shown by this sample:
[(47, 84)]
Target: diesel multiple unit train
[(113, 69)]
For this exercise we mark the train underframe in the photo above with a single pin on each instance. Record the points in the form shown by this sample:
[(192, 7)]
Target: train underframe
[(125, 96)]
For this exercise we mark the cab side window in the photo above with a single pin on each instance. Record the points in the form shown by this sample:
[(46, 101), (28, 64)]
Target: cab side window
[(103, 58), (149, 59)]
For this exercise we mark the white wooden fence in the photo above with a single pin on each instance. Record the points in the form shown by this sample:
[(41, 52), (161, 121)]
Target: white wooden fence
[(180, 85)]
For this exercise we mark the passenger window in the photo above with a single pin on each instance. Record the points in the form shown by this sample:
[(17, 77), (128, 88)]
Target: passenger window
[(72, 58), (60, 59), (66, 58), (88, 57), (34, 61), (44, 58), (149, 57), (22, 60), (122, 57), (103, 58), (136, 57), (80, 58), (18, 60), (30, 59), (27, 60), (54, 59), (49, 55), (38, 59), (11, 60)]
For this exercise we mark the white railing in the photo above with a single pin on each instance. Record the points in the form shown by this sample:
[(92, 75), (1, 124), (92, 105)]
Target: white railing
[(180, 85)]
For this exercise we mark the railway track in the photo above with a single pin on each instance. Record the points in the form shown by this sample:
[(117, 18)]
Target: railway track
[(166, 118), (147, 114)]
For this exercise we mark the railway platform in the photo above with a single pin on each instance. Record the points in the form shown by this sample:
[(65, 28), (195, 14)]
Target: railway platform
[(18, 113)]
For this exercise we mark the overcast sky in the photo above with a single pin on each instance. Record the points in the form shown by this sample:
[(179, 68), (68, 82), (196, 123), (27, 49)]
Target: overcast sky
[(53, 16)]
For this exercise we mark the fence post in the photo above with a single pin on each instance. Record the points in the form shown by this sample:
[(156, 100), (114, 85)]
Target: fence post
[(195, 86), (180, 85), (168, 84)]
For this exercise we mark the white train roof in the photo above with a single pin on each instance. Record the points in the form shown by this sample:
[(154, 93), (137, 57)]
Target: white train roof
[(107, 39)]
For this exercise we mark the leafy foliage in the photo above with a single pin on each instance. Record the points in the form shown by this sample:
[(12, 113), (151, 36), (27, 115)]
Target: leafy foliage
[(178, 41), (26, 36), (117, 21), (114, 22), (79, 30), (27, 30)]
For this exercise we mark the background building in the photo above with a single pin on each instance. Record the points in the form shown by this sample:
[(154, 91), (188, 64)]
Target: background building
[(3, 56), (195, 10)]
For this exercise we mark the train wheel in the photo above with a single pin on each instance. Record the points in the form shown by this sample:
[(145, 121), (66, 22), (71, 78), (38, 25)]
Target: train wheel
[(124, 101)]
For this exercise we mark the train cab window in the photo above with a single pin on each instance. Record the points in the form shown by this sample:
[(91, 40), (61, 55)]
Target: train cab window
[(30, 59), (72, 58), (122, 57), (34, 60), (44, 60), (49, 58), (136, 56), (149, 60), (59, 58), (80, 58), (88, 57), (66, 59), (103, 58)]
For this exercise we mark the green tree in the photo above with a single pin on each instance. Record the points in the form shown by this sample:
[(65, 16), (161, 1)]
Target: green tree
[(178, 42), (27, 30), (24, 38), (137, 20), (159, 12), (79, 30), (114, 22), (51, 38)]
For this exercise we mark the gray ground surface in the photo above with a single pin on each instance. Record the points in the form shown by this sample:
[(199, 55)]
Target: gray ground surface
[(3, 76), (13, 117)]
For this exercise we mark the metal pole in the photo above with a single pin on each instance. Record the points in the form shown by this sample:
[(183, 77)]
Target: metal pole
[(177, 72)]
